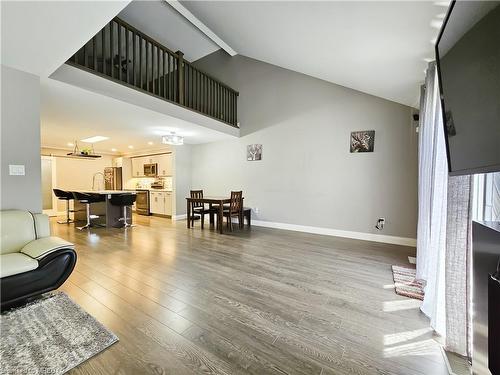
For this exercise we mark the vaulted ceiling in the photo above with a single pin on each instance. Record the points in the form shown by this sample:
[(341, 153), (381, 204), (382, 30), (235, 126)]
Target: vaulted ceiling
[(39, 36), (157, 19), (377, 47)]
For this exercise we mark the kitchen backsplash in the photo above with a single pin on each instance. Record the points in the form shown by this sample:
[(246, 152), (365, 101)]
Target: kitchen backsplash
[(145, 182)]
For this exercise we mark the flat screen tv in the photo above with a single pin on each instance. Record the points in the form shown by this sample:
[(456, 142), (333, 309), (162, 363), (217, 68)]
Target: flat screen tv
[(468, 61)]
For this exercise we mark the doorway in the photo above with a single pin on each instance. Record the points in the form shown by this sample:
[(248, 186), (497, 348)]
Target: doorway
[(49, 200)]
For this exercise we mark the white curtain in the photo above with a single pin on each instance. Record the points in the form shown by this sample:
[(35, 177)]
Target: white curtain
[(444, 227), (432, 196), (458, 263)]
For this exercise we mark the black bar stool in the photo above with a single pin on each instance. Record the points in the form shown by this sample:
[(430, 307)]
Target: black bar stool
[(123, 200), (64, 196), (88, 199)]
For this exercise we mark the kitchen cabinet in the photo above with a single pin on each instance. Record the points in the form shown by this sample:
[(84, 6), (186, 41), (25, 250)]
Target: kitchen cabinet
[(164, 164), (168, 203), (150, 159), (137, 167), (160, 202)]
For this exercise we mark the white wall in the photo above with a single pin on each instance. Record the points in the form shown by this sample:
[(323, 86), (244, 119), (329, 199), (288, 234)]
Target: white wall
[(308, 176), (20, 140), (76, 174), (181, 177)]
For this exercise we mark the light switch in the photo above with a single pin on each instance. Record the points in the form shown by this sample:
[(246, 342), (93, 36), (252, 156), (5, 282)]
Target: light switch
[(16, 170)]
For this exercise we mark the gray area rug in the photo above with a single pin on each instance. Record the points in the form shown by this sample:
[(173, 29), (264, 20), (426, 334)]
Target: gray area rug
[(50, 336)]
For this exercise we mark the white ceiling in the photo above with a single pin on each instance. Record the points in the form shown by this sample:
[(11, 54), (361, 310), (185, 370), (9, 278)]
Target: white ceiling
[(161, 22), (375, 47), (39, 36), (71, 113)]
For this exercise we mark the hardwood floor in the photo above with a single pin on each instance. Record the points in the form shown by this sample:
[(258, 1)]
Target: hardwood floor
[(258, 301)]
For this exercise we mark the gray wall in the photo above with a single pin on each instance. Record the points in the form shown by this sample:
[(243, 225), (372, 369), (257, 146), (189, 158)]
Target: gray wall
[(20, 140), (307, 175)]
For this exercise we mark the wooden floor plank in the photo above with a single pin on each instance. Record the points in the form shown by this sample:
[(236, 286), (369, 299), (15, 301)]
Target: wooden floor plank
[(256, 301)]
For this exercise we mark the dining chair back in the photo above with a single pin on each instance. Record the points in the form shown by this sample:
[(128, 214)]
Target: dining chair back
[(197, 207), (236, 202), (197, 194)]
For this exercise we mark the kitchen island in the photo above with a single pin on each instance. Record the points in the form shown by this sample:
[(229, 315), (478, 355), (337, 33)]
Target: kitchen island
[(108, 214)]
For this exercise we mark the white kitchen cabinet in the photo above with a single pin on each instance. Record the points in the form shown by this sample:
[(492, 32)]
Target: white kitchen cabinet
[(156, 202), (164, 164), (150, 159), (160, 202), (168, 203), (137, 167)]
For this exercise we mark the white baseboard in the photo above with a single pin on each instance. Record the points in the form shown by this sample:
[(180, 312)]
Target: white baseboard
[(405, 241), (179, 217)]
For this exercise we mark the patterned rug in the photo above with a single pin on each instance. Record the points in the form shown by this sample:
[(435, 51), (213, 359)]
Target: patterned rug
[(50, 336), (405, 283)]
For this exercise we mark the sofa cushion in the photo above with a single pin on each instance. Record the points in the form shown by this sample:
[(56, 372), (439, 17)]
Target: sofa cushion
[(14, 263), (42, 225), (17, 228), (39, 248)]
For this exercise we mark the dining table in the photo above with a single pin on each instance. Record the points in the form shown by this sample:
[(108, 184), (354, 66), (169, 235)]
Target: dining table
[(210, 200)]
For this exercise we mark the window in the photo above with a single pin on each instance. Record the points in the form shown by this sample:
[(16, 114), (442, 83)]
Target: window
[(486, 204)]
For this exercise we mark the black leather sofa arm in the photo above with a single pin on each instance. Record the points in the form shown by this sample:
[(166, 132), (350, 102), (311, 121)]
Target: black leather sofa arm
[(53, 270)]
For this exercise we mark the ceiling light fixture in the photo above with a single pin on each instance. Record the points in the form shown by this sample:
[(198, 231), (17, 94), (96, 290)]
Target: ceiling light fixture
[(97, 138), (172, 139), (150, 143), (114, 149), (130, 146)]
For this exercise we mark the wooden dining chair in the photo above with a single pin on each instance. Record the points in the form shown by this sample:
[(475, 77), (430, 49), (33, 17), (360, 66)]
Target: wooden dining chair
[(199, 208), (234, 209)]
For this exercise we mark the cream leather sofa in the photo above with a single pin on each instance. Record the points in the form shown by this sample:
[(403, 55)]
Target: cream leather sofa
[(31, 261)]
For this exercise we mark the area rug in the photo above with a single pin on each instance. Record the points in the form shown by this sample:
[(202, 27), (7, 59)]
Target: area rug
[(405, 283), (51, 335)]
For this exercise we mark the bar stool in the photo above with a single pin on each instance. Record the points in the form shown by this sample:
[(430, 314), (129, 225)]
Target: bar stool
[(64, 196), (123, 200), (88, 199)]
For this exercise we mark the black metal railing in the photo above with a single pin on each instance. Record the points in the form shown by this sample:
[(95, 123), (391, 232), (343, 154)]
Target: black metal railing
[(122, 53)]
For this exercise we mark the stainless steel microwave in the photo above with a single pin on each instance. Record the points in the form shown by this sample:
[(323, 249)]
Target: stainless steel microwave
[(151, 170)]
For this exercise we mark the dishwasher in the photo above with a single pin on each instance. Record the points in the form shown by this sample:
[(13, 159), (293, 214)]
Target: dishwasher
[(142, 202)]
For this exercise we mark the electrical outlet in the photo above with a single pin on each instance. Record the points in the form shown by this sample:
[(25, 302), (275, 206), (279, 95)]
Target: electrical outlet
[(256, 209), (380, 223)]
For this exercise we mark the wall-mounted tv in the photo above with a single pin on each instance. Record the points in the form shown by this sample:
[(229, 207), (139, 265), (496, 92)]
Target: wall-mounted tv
[(468, 61)]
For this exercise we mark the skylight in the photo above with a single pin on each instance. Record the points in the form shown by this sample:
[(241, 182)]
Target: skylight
[(97, 138)]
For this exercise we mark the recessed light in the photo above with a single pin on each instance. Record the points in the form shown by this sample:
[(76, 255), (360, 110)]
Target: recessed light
[(97, 138), (130, 146), (114, 149), (150, 143), (70, 144)]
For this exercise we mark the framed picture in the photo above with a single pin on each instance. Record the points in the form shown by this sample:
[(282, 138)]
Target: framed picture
[(363, 141), (254, 152)]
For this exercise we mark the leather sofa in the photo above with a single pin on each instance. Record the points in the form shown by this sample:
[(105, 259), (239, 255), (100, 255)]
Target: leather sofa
[(31, 261)]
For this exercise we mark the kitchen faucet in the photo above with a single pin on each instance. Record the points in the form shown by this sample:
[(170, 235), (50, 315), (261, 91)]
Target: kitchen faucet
[(94, 179)]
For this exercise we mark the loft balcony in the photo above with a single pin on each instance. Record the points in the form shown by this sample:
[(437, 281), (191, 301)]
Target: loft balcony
[(123, 54)]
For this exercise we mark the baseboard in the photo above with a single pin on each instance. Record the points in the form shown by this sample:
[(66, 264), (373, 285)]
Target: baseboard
[(405, 241), (179, 217)]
